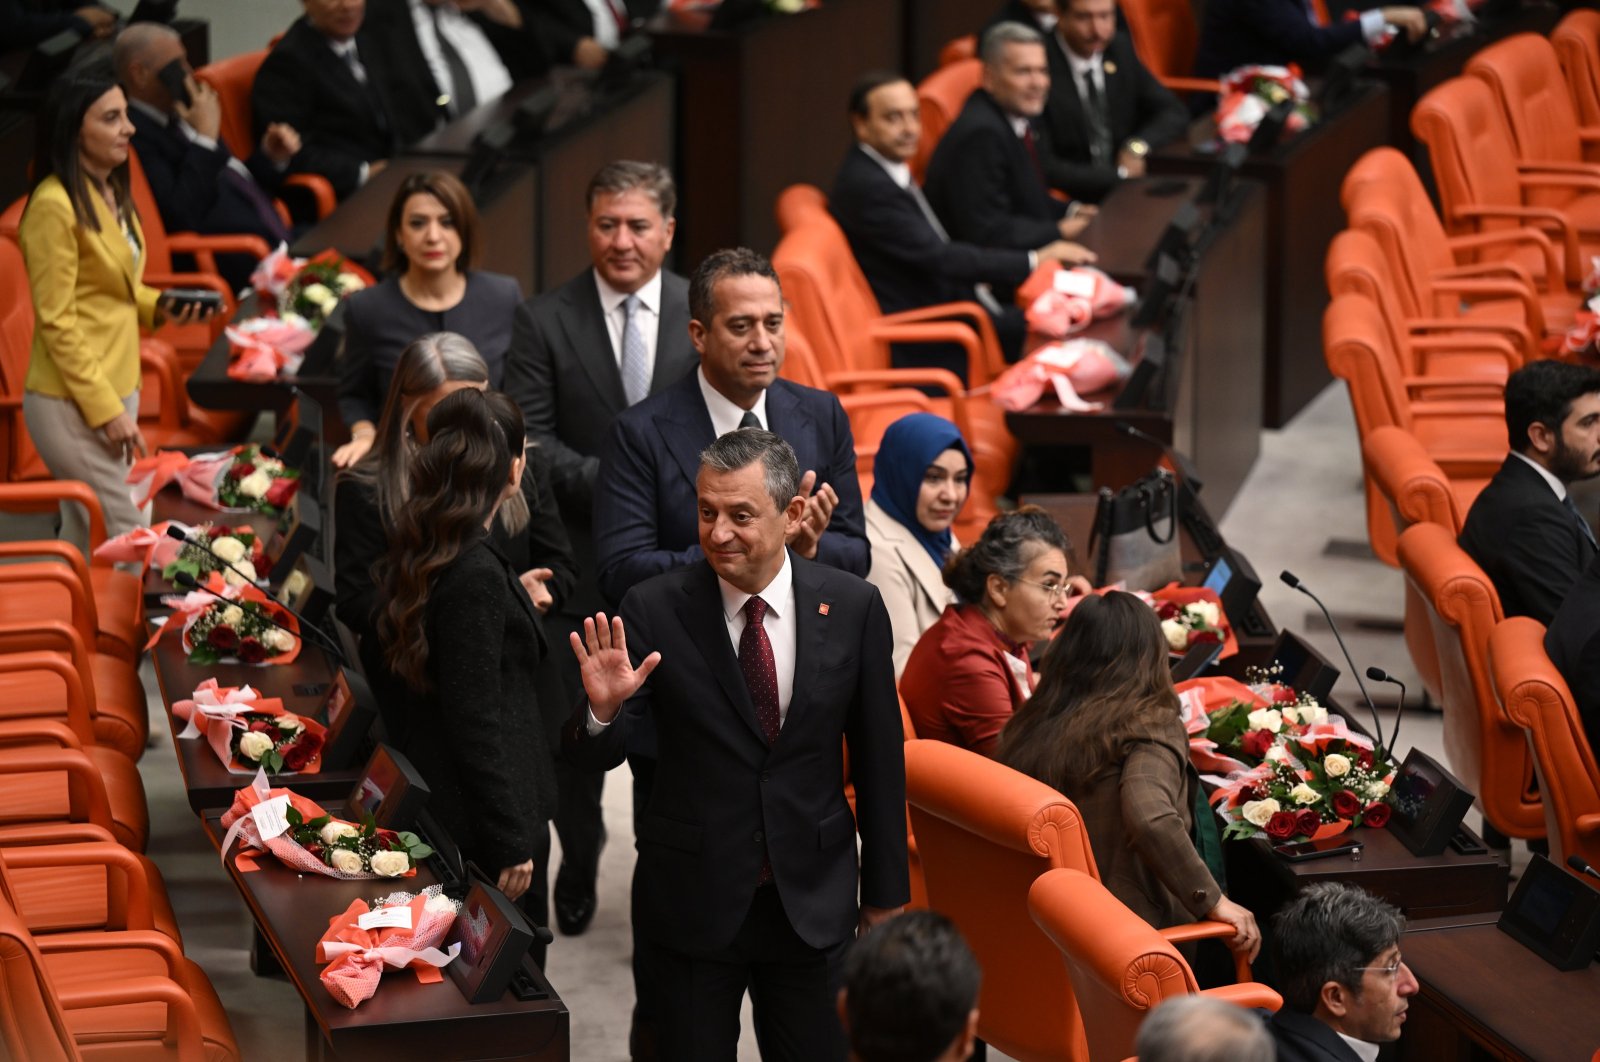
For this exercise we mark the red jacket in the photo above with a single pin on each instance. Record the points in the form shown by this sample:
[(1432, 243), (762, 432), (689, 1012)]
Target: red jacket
[(958, 686)]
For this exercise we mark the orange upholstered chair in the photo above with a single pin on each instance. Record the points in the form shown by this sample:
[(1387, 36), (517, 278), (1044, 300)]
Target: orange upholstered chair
[(871, 413), (1577, 43), (985, 833), (1536, 698), (62, 884), (1165, 37), (959, 48), (50, 779), (941, 96), (1485, 748), (1121, 968), (1466, 438), (1523, 278), (1525, 73)]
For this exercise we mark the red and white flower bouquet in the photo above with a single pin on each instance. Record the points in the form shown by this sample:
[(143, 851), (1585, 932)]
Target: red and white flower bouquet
[(249, 732), (307, 838), (232, 623), (244, 479), (297, 296), (1249, 92), (399, 931)]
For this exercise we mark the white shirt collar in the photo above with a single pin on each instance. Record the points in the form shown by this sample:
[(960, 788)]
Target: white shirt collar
[(341, 48), (778, 594), (726, 414), (1081, 67), (1368, 1052), (899, 172), (1019, 125), (610, 298), (1549, 477)]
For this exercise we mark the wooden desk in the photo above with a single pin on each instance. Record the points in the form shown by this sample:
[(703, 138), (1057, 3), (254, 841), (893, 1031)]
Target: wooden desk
[(1205, 413), (1302, 177), (302, 684), (1484, 996), (405, 1019), (767, 102)]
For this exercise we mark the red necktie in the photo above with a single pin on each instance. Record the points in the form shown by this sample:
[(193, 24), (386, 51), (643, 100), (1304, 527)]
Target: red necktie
[(1033, 149), (761, 679)]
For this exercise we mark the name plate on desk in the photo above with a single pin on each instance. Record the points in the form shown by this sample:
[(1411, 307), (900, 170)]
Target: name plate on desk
[(1429, 803), (298, 527), (494, 938), (1555, 915), (348, 714), (390, 790)]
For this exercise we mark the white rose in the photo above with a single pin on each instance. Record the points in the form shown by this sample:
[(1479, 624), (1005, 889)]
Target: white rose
[(1265, 719), (1313, 714), (256, 484), (1304, 794), (349, 282), (1377, 790), (231, 615), (317, 293), (390, 864), (228, 548), (1335, 765), (345, 861), (1257, 812), (335, 830), (253, 745), (1290, 715), (1278, 754), (1177, 634), (280, 641), (295, 584), (242, 572), (289, 722), (1208, 612)]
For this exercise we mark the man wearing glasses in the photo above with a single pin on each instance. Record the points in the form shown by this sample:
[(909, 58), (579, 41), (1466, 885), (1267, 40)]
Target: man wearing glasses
[(1345, 987)]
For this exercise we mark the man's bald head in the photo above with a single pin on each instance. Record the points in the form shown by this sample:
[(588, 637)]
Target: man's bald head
[(140, 52)]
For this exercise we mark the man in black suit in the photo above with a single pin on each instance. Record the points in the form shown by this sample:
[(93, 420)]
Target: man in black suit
[(446, 49), (580, 355), (584, 33), (1573, 643), (986, 178), (1344, 985), (197, 183), (1040, 15), (331, 78), (1524, 530), (899, 242), (1106, 111), (1236, 33), (759, 666)]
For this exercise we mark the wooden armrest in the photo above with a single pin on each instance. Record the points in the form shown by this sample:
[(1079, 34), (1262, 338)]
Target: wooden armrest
[(183, 1021), (1552, 175), (876, 379), (1418, 386), (1177, 83), (49, 733), (1588, 824), (884, 332), (86, 789), (80, 709), (1208, 930), (1544, 217), (172, 406), (994, 362), (318, 187), (127, 911), (45, 496)]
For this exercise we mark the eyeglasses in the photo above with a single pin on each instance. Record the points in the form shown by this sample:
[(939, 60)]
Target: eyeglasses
[(1390, 971), (1055, 591)]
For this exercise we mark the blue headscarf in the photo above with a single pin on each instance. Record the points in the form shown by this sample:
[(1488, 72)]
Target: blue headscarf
[(909, 446)]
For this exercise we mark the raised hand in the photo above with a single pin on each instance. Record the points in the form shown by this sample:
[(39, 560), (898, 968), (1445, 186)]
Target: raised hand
[(609, 677)]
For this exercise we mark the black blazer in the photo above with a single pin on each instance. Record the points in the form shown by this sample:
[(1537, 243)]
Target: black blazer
[(904, 259), (1526, 541), (190, 183), (1275, 32), (476, 736), (1139, 106), (561, 24), (1015, 11), (1573, 643), (646, 518), (563, 373), (1302, 1038), (984, 185), (720, 788)]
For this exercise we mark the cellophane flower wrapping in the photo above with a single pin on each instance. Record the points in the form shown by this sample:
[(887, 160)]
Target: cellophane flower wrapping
[(357, 957)]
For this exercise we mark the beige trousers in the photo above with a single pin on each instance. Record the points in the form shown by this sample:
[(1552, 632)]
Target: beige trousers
[(73, 450)]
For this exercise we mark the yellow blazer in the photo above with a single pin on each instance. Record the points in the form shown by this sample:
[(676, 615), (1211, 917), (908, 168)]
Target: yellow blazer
[(89, 300)]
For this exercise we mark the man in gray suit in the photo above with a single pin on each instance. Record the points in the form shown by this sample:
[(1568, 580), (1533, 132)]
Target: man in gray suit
[(580, 355)]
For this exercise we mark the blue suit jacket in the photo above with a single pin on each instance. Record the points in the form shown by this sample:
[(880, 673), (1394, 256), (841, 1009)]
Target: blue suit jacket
[(1276, 32), (646, 518)]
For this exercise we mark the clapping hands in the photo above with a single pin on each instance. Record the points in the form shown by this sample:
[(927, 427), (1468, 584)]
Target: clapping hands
[(814, 520)]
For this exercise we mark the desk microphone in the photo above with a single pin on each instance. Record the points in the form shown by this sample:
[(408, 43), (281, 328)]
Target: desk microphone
[(322, 641), (1581, 865), (1378, 674), (174, 531), (1377, 724)]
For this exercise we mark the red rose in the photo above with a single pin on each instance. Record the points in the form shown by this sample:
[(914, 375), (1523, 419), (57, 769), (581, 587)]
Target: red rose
[(240, 470), (1167, 610), (262, 562), (1307, 822), (252, 651), (1256, 743), (388, 838), (1205, 637), (1284, 695), (1282, 826), (224, 639), (1346, 804), (315, 848), (297, 756), (1251, 792), (1376, 815), (281, 491), (216, 531), (261, 726), (1364, 759)]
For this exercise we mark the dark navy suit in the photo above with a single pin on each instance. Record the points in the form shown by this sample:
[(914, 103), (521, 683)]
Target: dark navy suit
[(1274, 32)]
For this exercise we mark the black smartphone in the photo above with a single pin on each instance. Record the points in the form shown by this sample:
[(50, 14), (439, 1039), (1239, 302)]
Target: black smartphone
[(176, 80), (1324, 849), (179, 299)]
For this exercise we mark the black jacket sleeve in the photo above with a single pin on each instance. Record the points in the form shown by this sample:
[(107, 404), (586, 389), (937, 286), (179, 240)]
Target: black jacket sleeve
[(359, 541), (531, 383), (286, 91), (358, 371), (548, 543), (976, 208)]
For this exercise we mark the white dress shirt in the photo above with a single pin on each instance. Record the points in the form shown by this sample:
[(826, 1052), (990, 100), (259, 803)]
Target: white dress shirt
[(616, 315), (1085, 68), (490, 79), (604, 14), (1549, 477), (779, 623), (1368, 1052), (726, 414)]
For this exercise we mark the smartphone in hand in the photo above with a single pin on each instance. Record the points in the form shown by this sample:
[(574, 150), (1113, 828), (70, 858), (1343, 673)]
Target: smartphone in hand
[(177, 300), (176, 81)]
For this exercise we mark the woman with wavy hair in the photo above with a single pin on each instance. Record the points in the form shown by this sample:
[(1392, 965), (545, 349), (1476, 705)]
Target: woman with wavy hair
[(460, 632), (1103, 729)]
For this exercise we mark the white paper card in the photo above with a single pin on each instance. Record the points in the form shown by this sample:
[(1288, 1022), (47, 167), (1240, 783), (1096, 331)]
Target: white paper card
[(386, 917), (1076, 283), (270, 818)]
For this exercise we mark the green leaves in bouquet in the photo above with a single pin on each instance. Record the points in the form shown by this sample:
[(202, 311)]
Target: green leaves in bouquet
[(415, 848), (204, 654), (187, 565), (1229, 724)]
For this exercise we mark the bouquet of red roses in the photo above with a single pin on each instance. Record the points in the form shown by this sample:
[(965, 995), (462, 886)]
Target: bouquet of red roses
[(225, 622), (249, 732), (1249, 92), (1309, 786), (306, 838), (401, 930), (243, 479)]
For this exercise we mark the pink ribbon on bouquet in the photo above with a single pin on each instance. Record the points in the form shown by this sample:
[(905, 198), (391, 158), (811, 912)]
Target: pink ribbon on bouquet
[(196, 476), (213, 713), (265, 346), (1070, 368), (149, 546), (357, 957), (1075, 297)]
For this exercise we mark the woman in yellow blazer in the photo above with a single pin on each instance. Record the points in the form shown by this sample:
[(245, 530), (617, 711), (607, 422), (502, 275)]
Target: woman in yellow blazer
[(85, 255)]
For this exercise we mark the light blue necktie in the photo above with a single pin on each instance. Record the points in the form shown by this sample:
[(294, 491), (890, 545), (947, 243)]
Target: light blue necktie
[(635, 360)]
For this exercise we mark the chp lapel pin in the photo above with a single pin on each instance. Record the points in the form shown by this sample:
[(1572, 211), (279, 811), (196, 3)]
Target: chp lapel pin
[(822, 609), (1109, 67)]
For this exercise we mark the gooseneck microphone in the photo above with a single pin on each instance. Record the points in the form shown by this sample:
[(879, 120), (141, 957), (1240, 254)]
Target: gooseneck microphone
[(1378, 674), (1377, 724), (322, 641), (1581, 865), (174, 531)]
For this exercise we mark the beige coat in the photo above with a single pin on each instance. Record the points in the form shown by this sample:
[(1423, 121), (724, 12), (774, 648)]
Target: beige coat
[(913, 589)]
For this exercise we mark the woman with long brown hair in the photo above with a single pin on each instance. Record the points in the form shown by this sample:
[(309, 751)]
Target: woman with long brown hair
[(462, 635), (1103, 729)]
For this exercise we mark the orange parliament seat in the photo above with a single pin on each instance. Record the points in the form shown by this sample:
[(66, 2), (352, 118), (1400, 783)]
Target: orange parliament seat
[(1165, 37), (50, 780), (61, 884), (1577, 43), (985, 833), (1523, 277), (1121, 968), (1524, 72), (958, 48), (940, 97), (1536, 698), (1485, 748)]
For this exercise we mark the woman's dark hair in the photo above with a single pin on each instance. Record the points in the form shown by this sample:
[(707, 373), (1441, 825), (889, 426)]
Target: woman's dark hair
[(1104, 684), (57, 143), (457, 202), (1003, 550), (474, 438)]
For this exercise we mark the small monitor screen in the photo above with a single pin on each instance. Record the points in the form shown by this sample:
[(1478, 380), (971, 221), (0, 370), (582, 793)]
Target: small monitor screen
[(1219, 576), (1547, 901), (1412, 787)]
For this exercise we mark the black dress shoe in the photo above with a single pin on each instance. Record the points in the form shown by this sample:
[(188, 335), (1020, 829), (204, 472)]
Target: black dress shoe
[(574, 913)]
